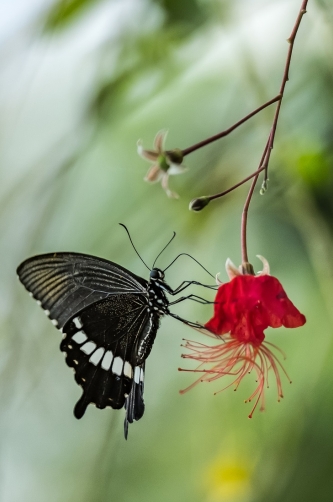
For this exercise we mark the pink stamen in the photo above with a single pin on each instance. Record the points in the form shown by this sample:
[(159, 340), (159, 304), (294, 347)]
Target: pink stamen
[(236, 359)]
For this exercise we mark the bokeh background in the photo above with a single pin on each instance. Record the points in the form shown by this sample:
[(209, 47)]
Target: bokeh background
[(81, 82)]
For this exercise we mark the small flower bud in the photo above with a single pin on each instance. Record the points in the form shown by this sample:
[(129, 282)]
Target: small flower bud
[(264, 187), (175, 156), (198, 204)]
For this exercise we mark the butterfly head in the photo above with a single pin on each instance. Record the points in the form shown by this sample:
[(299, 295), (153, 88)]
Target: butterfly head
[(156, 274), (157, 282)]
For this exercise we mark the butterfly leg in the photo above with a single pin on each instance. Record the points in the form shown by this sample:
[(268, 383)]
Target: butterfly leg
[(186, 284), (195, 298), (188, 323)]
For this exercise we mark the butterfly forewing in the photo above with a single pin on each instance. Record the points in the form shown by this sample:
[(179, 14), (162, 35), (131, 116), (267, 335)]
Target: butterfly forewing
[(65, 283)]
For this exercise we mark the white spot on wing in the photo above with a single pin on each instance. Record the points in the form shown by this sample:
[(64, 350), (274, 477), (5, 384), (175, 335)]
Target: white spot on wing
[(77, 322), (128, 371), (79, 337), (47, 312), (97, 356), (141, 375), (54, 322), (39, 303), (107, 360), (88, 347), (137, 374), (117, 366)]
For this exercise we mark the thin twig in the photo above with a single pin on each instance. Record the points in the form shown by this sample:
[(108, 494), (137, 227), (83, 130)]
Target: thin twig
[(222, 134), (262, 166), (225, 192), (285, 79), (201, 202), (270, 143)]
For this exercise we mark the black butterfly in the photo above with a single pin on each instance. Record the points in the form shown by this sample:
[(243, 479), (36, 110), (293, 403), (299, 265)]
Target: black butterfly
[(109, 318)]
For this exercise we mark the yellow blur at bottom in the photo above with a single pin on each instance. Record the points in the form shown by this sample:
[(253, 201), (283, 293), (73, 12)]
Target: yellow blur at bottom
[(228, 481)]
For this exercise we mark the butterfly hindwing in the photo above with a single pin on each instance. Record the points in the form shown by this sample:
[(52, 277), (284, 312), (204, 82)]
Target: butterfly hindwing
[(65, 283), (134, 403), (106, 344)]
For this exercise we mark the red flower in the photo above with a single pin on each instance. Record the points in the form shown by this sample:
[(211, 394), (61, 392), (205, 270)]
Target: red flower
[(243, 309)]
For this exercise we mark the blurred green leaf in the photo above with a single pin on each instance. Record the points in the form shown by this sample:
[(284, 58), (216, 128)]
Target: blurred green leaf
[(144, 55), (314, 168), (186, 12), (65, 11)]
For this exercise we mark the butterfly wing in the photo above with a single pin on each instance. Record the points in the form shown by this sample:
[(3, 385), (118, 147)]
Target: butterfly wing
[(102, 344), (134, 403), (102, 310), (65, 283)]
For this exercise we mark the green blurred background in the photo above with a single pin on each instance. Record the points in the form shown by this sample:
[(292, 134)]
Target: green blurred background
[(81, 82)]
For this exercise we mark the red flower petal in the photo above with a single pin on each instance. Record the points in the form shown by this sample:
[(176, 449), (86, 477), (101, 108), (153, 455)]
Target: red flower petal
[(248, 304), (280, 310)]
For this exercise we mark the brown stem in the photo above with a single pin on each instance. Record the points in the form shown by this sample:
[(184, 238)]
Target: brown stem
[(285, 77), (221, 194), (263, 165), (270, 143), (222, 134)]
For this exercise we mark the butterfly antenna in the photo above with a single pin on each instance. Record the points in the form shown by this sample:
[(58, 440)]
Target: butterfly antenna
[(174, 235), (186, 254), (130, 238)]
